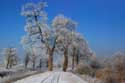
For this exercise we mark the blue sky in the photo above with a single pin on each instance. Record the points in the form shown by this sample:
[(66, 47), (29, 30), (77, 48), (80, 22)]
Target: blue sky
[(102, 22)]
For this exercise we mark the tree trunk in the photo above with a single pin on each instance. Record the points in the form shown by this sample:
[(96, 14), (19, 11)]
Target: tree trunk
[(34, 62), (8, 62), (26, 65), (50, 61), (47, 64), (34, 65), (26, 61), (40, 63), (7, 66), (65, 64), (73, 61), (51, 51), (76, 60), (73, 58)]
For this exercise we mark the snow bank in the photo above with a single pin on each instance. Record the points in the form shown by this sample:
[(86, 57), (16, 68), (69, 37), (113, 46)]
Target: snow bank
[(52, 77)]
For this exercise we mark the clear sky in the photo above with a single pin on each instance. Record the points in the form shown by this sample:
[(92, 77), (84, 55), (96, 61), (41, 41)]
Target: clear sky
[(102, 22)]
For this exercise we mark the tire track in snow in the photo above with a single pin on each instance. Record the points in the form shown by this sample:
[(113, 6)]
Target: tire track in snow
[(55, 78), (47, 78), (58, 77)]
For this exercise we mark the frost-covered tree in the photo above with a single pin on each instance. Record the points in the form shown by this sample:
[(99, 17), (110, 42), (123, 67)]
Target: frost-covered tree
[(69, 41), (39, 34), (31, 57), (64, 27), (78, 48), (11, 58)]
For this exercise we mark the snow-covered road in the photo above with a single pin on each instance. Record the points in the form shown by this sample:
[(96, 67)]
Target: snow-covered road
[(52, 77)]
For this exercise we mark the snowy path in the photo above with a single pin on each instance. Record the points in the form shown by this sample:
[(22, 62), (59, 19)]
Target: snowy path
[(52, 77)]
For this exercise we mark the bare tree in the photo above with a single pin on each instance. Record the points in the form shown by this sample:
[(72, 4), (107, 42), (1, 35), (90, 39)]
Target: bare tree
[(11, 58)]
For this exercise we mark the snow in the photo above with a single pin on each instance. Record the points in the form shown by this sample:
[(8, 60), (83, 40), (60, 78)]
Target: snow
[(52, 77)]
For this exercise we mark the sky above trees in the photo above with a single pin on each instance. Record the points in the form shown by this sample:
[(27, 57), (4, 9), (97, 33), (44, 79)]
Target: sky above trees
[(100, 21)]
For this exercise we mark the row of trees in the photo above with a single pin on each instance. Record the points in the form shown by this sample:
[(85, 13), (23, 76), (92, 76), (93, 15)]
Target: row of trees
[(46, 40)]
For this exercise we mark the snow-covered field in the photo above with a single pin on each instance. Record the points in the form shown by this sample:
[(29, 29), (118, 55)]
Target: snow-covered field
[(52, 77)]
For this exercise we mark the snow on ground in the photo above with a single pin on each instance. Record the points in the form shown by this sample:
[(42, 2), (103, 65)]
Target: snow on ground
[(52, 77), (13, 69)]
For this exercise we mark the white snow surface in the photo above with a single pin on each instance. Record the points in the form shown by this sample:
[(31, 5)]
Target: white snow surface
[(52, 77)]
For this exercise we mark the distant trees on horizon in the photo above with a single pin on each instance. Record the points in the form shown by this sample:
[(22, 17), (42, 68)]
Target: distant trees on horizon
[(10, 57)]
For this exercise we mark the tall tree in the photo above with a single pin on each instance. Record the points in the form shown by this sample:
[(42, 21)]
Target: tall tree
[(38, 29), (64, 27)]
